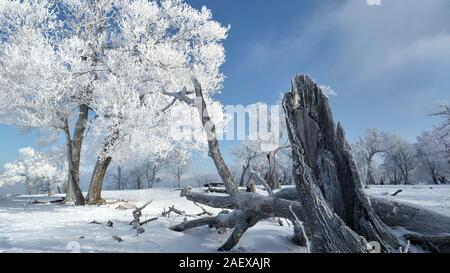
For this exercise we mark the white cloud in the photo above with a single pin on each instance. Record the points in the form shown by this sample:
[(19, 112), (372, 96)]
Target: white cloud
[(367, 42)]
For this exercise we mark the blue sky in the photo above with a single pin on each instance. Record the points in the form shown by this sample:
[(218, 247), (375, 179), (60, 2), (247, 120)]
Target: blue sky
[(389, 64)]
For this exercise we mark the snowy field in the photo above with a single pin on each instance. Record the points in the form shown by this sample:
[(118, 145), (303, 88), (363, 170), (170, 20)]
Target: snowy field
[(28, 227), (64, 228), (434, 197)]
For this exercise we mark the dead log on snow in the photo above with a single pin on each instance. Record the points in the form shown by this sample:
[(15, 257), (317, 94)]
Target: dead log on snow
[(395, 214), (411, 217), (249, 209)]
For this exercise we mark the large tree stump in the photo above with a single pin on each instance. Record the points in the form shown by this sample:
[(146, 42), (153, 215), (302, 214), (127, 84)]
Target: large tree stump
[(331, 193)]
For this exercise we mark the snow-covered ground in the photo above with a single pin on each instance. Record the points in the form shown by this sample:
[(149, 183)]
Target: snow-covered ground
[(65, 228), (434, 197)]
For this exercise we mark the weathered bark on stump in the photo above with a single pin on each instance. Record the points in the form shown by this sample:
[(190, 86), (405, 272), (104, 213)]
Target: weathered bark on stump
[(326, 178)]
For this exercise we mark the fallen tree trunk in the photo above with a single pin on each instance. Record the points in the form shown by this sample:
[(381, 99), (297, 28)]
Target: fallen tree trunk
[(411, 217), (432, 243), (397, 214)]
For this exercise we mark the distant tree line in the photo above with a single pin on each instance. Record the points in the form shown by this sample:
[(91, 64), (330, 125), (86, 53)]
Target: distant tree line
[(385, 158)]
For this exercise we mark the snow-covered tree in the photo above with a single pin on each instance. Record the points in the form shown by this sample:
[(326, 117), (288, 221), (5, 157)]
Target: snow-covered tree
[(444, 129), (51, 57), (40, 172), (250, 156), (374, 143), (264, 152), (433, 165), (124, 61), (163, 45), (178, 164), (152, 171), (400, 163), (444, 113)]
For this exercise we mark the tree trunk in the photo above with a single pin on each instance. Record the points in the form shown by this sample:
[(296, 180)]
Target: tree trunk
[(138, 183), (213, 144), (326, 178), (74, 174), (119, 178), (272, 174), (98, 176), (244, 172), (101, 166), (151, 178), (28, 185), (370, 180), (76, 145), (155, 170)]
